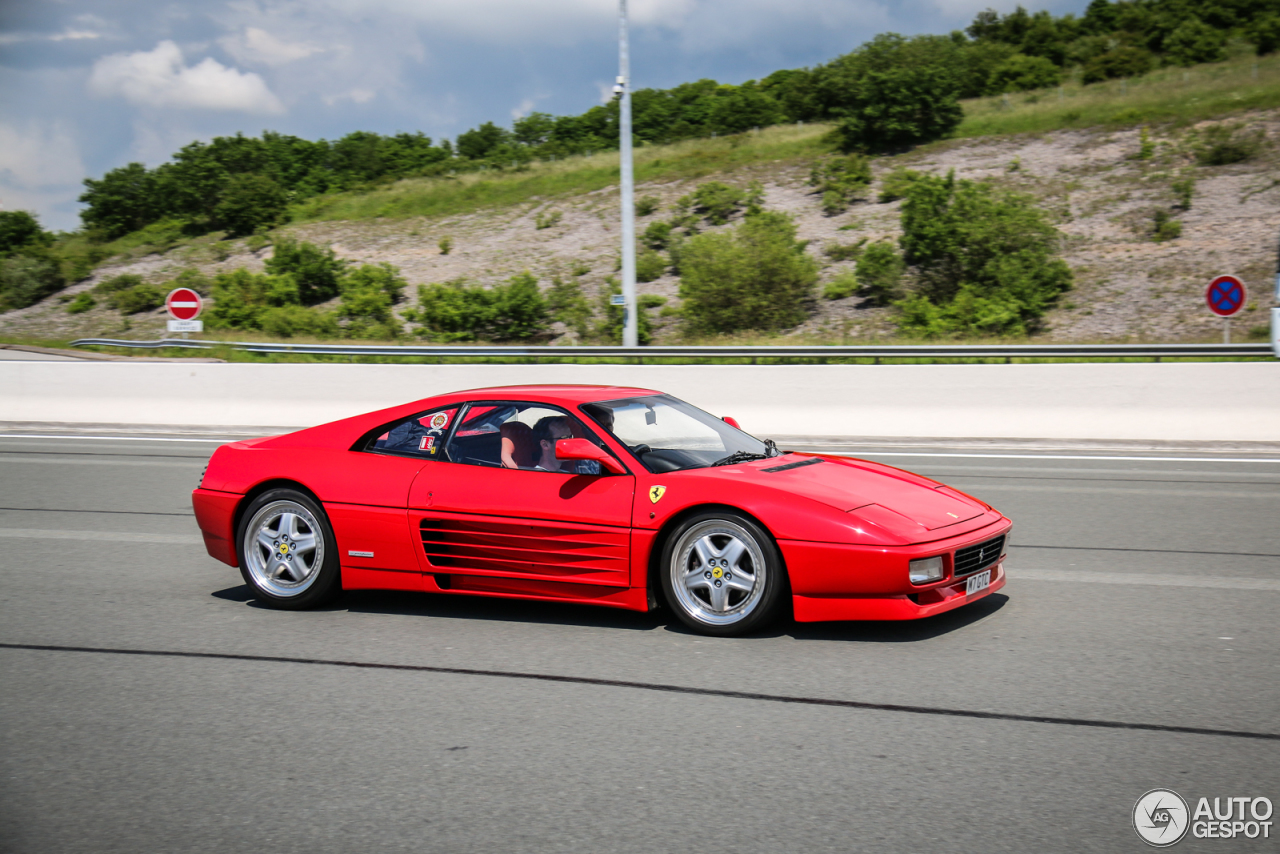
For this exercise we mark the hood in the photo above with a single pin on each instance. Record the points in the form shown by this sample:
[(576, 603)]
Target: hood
[(848, 484)]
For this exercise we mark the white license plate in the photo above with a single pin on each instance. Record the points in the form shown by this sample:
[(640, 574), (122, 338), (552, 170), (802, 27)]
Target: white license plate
[(978, 582)]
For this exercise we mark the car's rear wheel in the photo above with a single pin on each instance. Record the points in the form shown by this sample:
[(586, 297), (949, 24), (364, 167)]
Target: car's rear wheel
[(722, 574), (288, 555)]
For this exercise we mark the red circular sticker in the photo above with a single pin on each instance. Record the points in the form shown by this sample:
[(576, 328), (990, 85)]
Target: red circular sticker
[(183, 304)]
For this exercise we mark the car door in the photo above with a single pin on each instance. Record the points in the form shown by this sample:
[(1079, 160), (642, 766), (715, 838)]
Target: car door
[(489, 527), (375, 544)]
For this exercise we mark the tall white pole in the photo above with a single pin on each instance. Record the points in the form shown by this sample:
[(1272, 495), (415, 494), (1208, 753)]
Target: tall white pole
[(630, 337)]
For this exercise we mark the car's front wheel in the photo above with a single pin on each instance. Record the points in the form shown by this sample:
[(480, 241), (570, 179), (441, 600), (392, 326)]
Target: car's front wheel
[(288, 555), (722, 574)]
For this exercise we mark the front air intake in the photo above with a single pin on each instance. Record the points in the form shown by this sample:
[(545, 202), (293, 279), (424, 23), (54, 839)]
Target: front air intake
[(974, 558)]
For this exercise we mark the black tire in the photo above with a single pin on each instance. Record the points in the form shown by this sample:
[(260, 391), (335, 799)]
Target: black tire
[(717, 587), (287, 552)]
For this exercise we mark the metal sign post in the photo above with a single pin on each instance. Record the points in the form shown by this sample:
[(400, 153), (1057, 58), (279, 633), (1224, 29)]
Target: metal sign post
[(630, 337)]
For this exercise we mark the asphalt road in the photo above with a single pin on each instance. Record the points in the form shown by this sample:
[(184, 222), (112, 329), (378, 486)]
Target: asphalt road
[(1135, 647)]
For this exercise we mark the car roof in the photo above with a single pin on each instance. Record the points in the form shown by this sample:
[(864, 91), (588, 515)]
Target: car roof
[(553, 393)]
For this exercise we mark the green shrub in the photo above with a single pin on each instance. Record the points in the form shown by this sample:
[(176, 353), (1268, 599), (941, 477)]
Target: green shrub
[(646, 205), (567, 304), (250, 202), (879, 273), (460, 311), (1184, 190), (383, 278), (286, 321), (118, 283), (756, 276), (1165, 227), (1224, 144), (1265, 34), (445, 244), (580, 268), (317, 271), (845, 284), (25, 280), (986, 259), (1146, 146), (650, 265), (717, 202), (241, 298), (840, 180), (1194, 42), (547, 219), (844, 251), (82, 303), (657, 234), (257, 241), (136, 299), (896, 184), (1021, 73), (1122, 61)]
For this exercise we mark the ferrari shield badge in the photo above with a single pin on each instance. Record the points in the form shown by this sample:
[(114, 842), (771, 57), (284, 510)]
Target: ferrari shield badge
[(656, 493)]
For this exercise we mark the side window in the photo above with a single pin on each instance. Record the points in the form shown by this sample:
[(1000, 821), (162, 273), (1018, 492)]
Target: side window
[(518, 436), (421, 435)]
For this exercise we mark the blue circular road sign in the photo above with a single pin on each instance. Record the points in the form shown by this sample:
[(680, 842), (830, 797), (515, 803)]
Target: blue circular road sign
[(1225, 296)]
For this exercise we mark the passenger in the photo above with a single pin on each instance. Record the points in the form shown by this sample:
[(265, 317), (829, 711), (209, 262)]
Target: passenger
[(545, 434)]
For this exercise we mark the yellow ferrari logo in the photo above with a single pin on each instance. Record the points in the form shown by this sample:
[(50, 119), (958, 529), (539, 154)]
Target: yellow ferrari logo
[(656, 493), (284, 548), (717, 572)]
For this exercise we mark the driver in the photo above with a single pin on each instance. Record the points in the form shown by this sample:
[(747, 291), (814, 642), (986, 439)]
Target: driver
[(545, 434)]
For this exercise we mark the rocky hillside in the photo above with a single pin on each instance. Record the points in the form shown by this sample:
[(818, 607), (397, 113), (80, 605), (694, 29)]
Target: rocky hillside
[(1129, 287)]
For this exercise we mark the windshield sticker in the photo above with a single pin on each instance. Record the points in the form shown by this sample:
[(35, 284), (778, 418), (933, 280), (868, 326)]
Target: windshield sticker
[(656, 493), (428, 443), (439, 421)]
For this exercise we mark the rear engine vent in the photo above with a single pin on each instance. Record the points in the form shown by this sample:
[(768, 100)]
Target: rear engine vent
[(799, 465), (974, 558)]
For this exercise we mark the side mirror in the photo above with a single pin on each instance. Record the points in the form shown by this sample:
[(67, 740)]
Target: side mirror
[(732, 422), (581, 449)]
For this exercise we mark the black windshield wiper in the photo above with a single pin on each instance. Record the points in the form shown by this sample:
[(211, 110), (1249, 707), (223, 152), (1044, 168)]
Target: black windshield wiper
[(739, 457)]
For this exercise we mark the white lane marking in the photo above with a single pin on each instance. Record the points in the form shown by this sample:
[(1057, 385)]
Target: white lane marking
[(122, 438), (99, 536), (1140, 578), (8, 458), (1115, 490), (1062, 457)]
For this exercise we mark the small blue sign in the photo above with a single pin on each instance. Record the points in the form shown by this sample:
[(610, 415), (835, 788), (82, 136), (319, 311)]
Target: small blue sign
[(1225, 296)]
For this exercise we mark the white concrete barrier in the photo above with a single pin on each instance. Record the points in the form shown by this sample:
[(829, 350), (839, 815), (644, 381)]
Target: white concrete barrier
[(1202, 401)]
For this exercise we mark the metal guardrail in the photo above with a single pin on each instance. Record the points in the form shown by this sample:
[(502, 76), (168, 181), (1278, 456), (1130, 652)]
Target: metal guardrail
[(834, 351)]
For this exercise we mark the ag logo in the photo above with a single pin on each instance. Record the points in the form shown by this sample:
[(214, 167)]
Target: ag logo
[(1161, 818), (656, 493)]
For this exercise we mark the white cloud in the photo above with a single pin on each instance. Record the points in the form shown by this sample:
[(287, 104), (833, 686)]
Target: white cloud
[(526, 106), (160, 78), (259, 46), (40, 170), (65, 35), (356, 96)]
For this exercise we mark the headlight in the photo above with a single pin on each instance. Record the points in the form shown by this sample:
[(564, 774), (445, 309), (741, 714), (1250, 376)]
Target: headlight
[(925, 570)]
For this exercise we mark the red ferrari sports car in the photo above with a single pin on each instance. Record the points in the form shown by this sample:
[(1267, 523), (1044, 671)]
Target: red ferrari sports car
[(615, 496)]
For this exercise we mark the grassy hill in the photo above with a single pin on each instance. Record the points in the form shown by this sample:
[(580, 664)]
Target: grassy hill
[(1081, 152)]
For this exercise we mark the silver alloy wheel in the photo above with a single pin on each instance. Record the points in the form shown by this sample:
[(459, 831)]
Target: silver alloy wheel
[(718, 572), (283, 549)]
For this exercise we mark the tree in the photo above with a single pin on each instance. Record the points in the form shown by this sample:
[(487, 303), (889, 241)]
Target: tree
[(478, 143), (250, 202), (879, 273), (1122, 61), (533, 129), (25, 281), (755, 276), (19, 229), (894, 92), (1020, 73), (123, 200)]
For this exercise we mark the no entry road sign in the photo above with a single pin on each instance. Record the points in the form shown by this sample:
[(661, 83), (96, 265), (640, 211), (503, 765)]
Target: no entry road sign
[(183, 304), (1225, 296)]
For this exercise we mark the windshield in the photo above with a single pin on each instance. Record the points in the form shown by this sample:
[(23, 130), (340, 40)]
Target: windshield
[(667, 434)]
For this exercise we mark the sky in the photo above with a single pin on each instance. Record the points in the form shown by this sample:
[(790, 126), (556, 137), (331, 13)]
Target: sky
[(90, 85)]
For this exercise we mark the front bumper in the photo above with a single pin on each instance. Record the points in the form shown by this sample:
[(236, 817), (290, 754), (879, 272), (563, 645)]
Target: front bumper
[(906, 606)]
